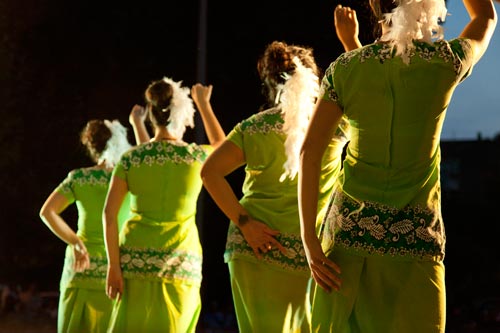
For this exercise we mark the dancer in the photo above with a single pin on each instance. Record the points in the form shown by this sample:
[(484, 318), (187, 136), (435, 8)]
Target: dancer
[(267, 266), (155, 263), (83, 305), (378, 262)]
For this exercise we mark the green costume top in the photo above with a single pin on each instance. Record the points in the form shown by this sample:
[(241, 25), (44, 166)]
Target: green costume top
[(160, 242), (389, 198), (88, 187), (261, 138)]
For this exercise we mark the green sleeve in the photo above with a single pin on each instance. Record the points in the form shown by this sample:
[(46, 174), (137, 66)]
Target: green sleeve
[(236, 136), (119, 170), (328, 90), (66, 187), (463, 52)]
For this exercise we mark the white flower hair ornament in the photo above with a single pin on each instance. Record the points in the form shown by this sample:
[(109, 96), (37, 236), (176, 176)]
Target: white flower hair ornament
[(181, 109), (414, 20), (297, 99), (116, 145)]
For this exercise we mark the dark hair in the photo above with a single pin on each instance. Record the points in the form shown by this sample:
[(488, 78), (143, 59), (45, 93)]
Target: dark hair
[(277, 60), (159, 96), (94, 137), (379, 8)]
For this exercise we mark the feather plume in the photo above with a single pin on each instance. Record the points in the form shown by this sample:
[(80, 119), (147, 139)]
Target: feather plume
[(414, 20), (297, 99), (116, 145), (181, 109)]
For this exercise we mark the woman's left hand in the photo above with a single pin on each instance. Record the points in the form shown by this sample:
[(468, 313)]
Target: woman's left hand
[(325, 272)]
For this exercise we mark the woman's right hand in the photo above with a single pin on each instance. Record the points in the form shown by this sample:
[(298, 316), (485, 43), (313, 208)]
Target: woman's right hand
[(347, 27), (261, 237), (201, 94), (137, 115), (114, 282)]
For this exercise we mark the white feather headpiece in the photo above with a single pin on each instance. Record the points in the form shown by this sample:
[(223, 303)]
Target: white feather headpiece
[(181, 109), (414, 20), (297, 98), (116, 145)]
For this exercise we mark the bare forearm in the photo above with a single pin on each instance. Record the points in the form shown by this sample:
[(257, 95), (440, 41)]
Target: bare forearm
[(223, 195), (214, 130), (483, 20), (140, 133), (111, 240), (59, 227), (309, 174), (350, 45)]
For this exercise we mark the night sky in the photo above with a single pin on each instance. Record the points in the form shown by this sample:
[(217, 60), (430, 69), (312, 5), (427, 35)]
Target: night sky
[(65, 62)]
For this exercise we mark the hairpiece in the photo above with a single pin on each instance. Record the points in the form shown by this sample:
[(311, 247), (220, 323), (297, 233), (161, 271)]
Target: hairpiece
[(414, 20), (297, 98), (181, 109), (116, 145)]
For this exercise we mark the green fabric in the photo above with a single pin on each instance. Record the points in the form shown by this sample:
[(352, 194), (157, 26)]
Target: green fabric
[(83, 302), (259, 292), (384, 226), (160, 249), (83, 310), (270, 294), (396, 113), (373, 229), (389, 197), (149, 306), (275, 203), (381, 295)]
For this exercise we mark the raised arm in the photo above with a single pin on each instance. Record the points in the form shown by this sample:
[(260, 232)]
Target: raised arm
[(483, 20), (347, 27), (201, 96), (50, 213), (137, 119)]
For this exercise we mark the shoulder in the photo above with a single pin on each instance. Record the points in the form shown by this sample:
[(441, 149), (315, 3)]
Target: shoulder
[(460, 47), (89, 175), (263, 121)]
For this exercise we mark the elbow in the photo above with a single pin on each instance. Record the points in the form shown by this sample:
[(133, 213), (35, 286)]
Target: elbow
[(44, 213), (204, 173), (209, 173)]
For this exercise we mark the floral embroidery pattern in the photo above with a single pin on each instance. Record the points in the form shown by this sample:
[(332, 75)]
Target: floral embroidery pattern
[(96, 271), (85, 176), (161, 264), (295, 259), (382, 52), (159, 153), (264, 122), (412, 231)]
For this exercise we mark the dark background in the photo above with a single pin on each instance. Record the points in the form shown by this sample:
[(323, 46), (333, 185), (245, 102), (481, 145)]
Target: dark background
[(65, 62)]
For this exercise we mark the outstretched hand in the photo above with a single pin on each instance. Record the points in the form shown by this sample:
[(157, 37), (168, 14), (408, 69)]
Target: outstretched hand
[(261, 238)]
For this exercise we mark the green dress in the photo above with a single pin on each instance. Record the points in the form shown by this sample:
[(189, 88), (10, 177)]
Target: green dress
[(160, 249), (385, 228), (83, 304), (270, 294)]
